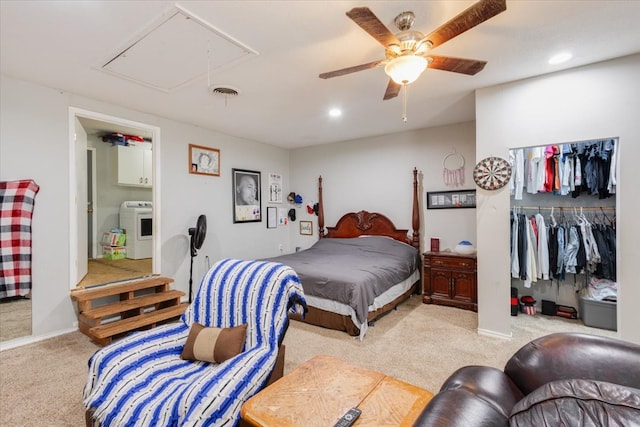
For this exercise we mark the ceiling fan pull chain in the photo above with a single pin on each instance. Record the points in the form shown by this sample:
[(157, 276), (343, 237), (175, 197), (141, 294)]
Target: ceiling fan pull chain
[(404, 103)]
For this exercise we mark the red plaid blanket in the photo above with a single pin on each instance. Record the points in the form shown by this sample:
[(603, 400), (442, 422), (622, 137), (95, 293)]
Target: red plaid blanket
[(17, 199)]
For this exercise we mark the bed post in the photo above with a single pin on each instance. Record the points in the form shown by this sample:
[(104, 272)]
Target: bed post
[(415, 220), (321, 232)]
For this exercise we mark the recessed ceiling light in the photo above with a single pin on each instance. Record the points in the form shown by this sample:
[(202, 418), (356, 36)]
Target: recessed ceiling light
[(560, 58), (335, 112)]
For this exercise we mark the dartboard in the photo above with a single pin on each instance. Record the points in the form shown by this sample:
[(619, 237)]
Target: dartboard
[(492, 173)]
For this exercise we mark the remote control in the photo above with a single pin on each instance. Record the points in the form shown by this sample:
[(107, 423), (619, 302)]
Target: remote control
[(349, 418)]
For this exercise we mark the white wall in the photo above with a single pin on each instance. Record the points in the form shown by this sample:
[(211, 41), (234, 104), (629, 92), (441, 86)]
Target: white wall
[(596, 101), (34, 144), (375, 174)]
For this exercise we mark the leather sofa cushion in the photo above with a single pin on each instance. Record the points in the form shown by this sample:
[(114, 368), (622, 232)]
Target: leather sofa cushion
[(472, 396), (460, 408), (486, 383), (578, 402), (564, 356)]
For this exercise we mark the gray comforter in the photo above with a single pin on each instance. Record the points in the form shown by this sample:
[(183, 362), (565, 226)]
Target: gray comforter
[(352, 271)]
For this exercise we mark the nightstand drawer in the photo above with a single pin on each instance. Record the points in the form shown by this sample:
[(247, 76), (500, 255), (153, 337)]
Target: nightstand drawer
[(453, 262)]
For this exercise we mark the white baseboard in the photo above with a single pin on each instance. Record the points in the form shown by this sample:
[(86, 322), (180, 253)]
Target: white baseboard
[(19, 342), (494, 334)]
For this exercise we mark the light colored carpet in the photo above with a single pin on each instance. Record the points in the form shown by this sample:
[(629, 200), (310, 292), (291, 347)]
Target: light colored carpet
[(15, 318), (423, 344), (41, 384)]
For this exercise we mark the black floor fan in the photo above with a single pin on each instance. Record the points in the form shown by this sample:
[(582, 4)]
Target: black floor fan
[(197, 234)]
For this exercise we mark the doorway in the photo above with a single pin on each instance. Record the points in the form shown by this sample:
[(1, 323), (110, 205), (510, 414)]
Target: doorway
[(99, 199)]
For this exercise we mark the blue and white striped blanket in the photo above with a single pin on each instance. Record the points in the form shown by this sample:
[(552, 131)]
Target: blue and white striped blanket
[(141, 380)]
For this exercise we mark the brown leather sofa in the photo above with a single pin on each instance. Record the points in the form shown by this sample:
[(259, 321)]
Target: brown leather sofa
[(564, 379)]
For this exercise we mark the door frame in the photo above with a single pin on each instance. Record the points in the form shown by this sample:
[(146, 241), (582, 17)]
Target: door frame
[(94, 191), (73, 176)]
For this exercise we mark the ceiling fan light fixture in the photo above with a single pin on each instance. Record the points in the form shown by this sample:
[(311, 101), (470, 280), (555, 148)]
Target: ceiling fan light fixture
[(406, 69)]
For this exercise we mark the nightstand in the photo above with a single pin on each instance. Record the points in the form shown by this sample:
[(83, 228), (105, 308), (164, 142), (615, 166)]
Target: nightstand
[(450, 279)]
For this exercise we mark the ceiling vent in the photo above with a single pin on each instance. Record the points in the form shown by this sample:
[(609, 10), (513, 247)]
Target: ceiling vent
[(175, 50), (224, 91)]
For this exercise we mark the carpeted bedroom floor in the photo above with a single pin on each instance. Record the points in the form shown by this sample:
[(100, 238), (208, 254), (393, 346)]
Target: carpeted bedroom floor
[(15, 318), (41, 384)]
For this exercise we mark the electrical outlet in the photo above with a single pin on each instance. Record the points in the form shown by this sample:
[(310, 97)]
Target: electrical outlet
[(281, 247)]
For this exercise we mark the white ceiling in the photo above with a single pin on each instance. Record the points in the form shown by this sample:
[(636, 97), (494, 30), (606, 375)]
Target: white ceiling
[(281, 101)]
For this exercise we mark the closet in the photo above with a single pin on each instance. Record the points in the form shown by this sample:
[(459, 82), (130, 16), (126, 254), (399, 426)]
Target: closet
[(563, 230)]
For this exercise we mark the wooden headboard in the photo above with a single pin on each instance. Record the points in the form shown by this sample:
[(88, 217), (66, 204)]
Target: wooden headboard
[(355, 224)]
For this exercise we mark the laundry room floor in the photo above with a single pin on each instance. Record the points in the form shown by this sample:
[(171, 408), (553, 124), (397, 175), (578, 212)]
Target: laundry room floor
[(102, 270)]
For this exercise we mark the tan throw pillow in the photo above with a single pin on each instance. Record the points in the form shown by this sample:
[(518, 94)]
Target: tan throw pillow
[(213, 345)]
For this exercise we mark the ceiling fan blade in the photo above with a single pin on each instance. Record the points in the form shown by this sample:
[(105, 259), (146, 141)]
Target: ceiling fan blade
[(469, 18), (457, 65), (369, 22), (349, 70), (393, 89)]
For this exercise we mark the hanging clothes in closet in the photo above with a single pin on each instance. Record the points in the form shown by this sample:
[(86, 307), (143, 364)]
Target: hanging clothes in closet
[(547, 250), (565, 169)]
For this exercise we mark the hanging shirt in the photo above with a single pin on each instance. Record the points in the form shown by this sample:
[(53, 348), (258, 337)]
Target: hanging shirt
[(512, 162), (549, 169), (556, 168), (532, 250), (543, 248), (566, 176), (523, 246), (611, 186), (593, 255), (577, 173), (515, 260), (571, 251), (518, 174), (560, 271), (535, 159)]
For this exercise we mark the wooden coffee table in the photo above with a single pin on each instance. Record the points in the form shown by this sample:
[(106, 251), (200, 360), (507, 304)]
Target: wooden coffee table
[(321, 390)]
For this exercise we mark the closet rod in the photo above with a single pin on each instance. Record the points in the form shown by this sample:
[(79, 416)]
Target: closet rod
[(568, 208)]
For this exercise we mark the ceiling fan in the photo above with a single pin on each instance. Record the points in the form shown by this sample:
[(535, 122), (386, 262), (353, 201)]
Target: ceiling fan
[(408, 53)]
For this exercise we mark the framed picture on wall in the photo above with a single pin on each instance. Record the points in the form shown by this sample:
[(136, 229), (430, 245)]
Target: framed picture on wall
[(272, 217), (204, 160), (306, 228), (275, 188), (246, 196), (451, 199)]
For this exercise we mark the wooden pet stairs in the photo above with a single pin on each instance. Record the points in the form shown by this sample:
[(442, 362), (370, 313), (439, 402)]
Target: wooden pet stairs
[(142, 304)]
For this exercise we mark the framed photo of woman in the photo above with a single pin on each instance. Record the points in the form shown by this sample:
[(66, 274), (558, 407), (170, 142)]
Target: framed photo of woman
[(246, 196), (204, 160)]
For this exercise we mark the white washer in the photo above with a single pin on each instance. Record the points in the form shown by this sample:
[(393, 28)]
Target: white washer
[(136, 218)]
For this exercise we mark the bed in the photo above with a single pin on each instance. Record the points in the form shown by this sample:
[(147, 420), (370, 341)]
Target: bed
[(358, 270)]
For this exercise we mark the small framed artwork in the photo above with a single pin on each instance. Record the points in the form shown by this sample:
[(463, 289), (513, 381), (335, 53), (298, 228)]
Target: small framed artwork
[(246, 196), (306, 228), (272, 217), (204, 160), (451, 199), (275, 188)]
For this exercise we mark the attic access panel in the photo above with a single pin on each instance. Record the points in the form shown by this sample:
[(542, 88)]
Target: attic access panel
[(175, 50)]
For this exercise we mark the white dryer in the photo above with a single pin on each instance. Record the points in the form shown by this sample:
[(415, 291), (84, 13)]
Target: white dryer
[(136, 218)]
